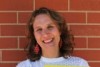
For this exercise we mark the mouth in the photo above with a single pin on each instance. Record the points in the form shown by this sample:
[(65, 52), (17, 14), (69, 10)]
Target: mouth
[(48, 41)]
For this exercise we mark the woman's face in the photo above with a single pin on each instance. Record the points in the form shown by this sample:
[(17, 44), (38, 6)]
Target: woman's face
[(46, 32)]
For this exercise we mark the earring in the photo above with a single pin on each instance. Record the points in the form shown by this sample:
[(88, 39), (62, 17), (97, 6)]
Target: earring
[(36, 49)]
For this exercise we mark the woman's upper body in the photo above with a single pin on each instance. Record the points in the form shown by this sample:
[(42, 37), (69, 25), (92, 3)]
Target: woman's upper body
[(50, 41), (55, 62)]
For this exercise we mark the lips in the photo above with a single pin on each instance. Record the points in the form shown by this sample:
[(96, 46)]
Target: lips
[(48, 41)]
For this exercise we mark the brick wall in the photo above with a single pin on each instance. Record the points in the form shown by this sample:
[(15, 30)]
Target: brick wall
[(83, 17)]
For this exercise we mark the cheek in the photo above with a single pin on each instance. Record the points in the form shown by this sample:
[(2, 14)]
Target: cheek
[(37, 37), (56, 32), (57, 35)]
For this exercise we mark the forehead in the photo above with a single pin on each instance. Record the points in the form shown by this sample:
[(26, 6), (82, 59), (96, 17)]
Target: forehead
[(43, 19)]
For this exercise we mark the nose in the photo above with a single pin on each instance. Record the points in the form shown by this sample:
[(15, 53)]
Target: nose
[(45, 33)]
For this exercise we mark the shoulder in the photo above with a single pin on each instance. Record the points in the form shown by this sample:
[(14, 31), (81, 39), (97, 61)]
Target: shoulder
[(73, 58), (25, 63), (80, 61)]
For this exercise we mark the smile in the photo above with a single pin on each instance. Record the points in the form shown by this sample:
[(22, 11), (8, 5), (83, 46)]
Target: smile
[(48, 41)]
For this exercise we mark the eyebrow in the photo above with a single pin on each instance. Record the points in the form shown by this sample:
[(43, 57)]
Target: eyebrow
[(48, 25)]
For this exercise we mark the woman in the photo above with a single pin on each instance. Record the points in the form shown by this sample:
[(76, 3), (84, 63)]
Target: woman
[(50, 43)]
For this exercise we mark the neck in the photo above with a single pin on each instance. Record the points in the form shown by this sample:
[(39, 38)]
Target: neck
[(54, 53)]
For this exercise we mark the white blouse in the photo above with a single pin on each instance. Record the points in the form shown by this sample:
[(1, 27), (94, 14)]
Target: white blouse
[(55, 62)]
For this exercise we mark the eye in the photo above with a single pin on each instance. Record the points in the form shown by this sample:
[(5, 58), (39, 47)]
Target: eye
[(40, 29), (50, 27)]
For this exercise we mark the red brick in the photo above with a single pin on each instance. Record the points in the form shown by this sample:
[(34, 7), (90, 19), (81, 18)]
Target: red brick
[(86, 30), (13, 55), (72, 17), (0, 55), (85, 5), (13, 30), (54, 4), (0, 30), (16, 5), (94, 42), (94, 64), (90, 55), (24, 17), (7, 64), (8, 43), (23, 42), (93, 17), (80, 42), (8, 17)]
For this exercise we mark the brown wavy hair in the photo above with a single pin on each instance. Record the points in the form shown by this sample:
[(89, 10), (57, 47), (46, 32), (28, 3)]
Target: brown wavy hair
[(67, 39)]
